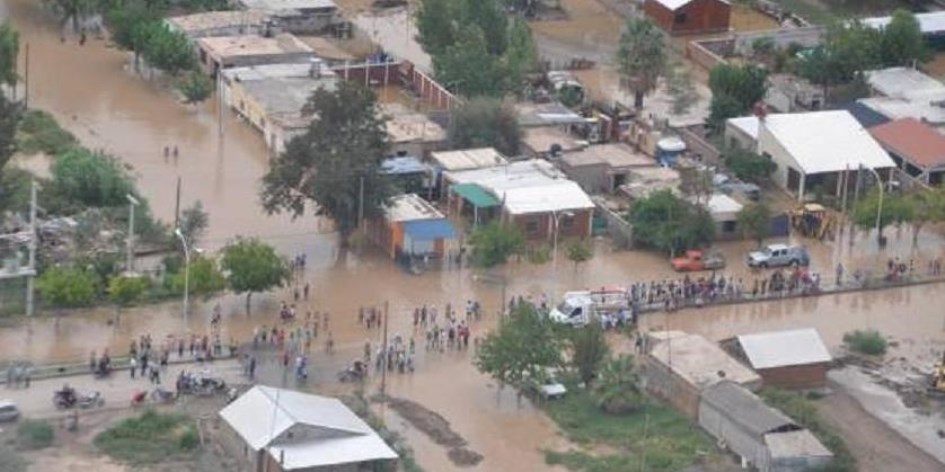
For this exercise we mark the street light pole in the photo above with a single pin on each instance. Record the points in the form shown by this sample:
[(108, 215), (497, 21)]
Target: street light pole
[(879, 206), (132, 203), (183, 241)]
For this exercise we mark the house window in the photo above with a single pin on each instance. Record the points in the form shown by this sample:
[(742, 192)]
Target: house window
[(531, 227), (566, 221), (728, 226), (680, 18)]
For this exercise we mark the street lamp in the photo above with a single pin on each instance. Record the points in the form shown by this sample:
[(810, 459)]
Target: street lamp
[(879, 206), (132, 203), (554, 252), (183, 241)]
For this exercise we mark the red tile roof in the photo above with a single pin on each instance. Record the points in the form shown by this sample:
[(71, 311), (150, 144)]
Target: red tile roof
[(910, 139)]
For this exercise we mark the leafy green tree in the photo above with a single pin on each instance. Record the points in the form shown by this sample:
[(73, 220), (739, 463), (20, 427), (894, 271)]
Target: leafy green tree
[(580, 251), (896, 209), (195, 87), (39, 132), (485, 122), (11, 113), (735, 90), (167, 50), (326, 165), (695, 183), (848, 49), (467, 68), (9, 53), (67, 287), (435, 24), (125, 290), (193, 223), (928, 207), (681, 89), (205, 277), (521, 349), (641, 58), (754, 221), (494, 243), (902, 42), (520, 57), (749, 166), (253, 266), (617, 391), (489, 17), (668, 223), (91, 178), (588, 350)]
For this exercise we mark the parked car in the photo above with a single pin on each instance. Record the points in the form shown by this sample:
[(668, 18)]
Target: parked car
[(8, 411), (697, 260), (778, 255)]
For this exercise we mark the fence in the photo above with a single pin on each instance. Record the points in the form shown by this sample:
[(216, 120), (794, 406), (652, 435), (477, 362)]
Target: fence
[(700, 53), (401, 74), (619, 229), (699, 145)]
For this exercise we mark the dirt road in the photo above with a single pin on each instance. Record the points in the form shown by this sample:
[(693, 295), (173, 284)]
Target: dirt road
[(875, 445)]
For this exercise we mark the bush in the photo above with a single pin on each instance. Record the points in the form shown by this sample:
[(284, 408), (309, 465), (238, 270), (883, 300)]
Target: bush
[(68, 287), (92, 178), (150, 438), (39, 132), (869, 342), (539, 254), (35, 434), (494, 243), (189, 440)]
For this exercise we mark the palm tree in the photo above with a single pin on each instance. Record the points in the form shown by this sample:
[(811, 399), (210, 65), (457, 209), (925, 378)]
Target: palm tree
[(641, 58), (617, 390)]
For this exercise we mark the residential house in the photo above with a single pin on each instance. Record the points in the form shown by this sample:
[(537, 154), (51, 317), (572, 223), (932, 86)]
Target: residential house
[(645, 180), (222, 52), (549, 142), (788, 93), (462, 159), (931, 25), (816, 150), (764, 438), (603, 168), (271, 97), (298, 16), (411, 227), (221, 23), (412, 132), (410, 174), (678, 17), (724, 212), (742, 133), (677, 367), (794, 358), (916, 148), (280, 430), (901, 92)]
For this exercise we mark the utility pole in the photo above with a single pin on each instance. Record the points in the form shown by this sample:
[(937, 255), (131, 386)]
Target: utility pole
[(26, 78), (32, 250), (361, 202), (132, 203), (177, 206), (386, 360)]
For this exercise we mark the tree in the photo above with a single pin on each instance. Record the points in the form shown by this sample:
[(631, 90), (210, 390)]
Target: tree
[(125, 290), (167, 50), (681, 88), (666, 222), (735, 91), (902, 42), (695, 182), (521, 349), (75, 10), (485, 122), (205, 278), (641, 58), (92, 178), (337, 157), (195, 88), (579, 251), (749, 166), (754, 221), (70, 287), (435, 25), (193, 223), (9, 54), (588, 351), (253, 266), (494, 243), (520, 57), (928, 206), (617, 390), (467, 68), (896, 210), (10, 115)]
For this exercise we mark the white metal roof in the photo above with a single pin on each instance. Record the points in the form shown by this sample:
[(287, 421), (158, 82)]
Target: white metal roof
[(826, 141), (325, 431), (933, 22), (675, 4), (555, 195), (512, 172), (277, 5), (723, 207), (411, 207), (784, 348), (747, 124), (467, 159), (906, 83), (897, 108)]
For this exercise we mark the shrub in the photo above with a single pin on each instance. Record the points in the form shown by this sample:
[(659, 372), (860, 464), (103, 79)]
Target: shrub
[(494, 243), (869, 342), (189, 440), (68, 287), (35, 434), (41, 133), (150, 438)]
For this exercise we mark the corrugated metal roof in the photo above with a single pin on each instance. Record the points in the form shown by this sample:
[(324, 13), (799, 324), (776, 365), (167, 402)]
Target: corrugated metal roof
[(912, 140), (746, 409), (747, 124), (795, 444), (410, 207), (429, 230), (467, 159), (784, 348), (475, 195), (555, 196), (402, 165)]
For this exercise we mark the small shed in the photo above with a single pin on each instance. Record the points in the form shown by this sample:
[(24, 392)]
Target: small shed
[(762, 436), (916, 148), (679, 17), (794, 358), (411, 226), (724, 211), (678, 367), (603, 168)]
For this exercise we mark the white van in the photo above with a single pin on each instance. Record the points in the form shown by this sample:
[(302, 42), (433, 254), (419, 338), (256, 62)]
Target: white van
[(8, 411), (580, 307)]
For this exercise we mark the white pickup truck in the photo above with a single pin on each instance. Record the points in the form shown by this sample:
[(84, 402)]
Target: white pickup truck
[(580, 307)]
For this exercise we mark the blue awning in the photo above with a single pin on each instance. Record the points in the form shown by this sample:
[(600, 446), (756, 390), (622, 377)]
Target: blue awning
[(429, 230)]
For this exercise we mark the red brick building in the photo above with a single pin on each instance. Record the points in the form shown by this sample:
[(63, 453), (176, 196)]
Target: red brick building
[(795, 358), (678, 17)]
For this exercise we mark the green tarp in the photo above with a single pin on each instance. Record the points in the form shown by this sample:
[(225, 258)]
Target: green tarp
[(475, 195)]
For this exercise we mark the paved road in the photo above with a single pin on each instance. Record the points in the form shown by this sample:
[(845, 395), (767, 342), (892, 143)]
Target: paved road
[(36, 401)]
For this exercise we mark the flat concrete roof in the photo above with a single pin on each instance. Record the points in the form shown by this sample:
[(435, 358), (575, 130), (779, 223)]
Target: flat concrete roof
[(614, 155), (701, 362), (279, 5), (468, 159), (411, 207), (251, 45), (408, 126), (218, 19)]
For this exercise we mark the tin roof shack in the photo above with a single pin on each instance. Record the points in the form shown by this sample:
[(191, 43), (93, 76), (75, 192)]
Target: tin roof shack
[(763, 437), (462, 159), (412, 132), (299, 432), (411, 226), (603, 168), (271, 97), (222, 52), (679, 367), (724, 211), (298, 16), (679, 17), (787, 359), (409, 173), (220, 23), (916, 148)]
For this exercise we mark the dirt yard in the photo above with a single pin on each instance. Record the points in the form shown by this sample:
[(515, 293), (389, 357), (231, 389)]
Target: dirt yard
[(745, 18), (589, 23)]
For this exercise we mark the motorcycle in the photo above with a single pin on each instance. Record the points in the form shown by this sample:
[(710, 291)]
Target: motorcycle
[(65, 398), (356, 373), (90, 400), (200, 385), (160, 395)]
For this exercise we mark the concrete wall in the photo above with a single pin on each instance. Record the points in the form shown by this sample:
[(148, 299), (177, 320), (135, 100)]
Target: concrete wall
[(659, 380), (736, 138), (736, 439), (307, 23), (807, 37), (703, 56), (697, 144), (592, 178), (700, 16)]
